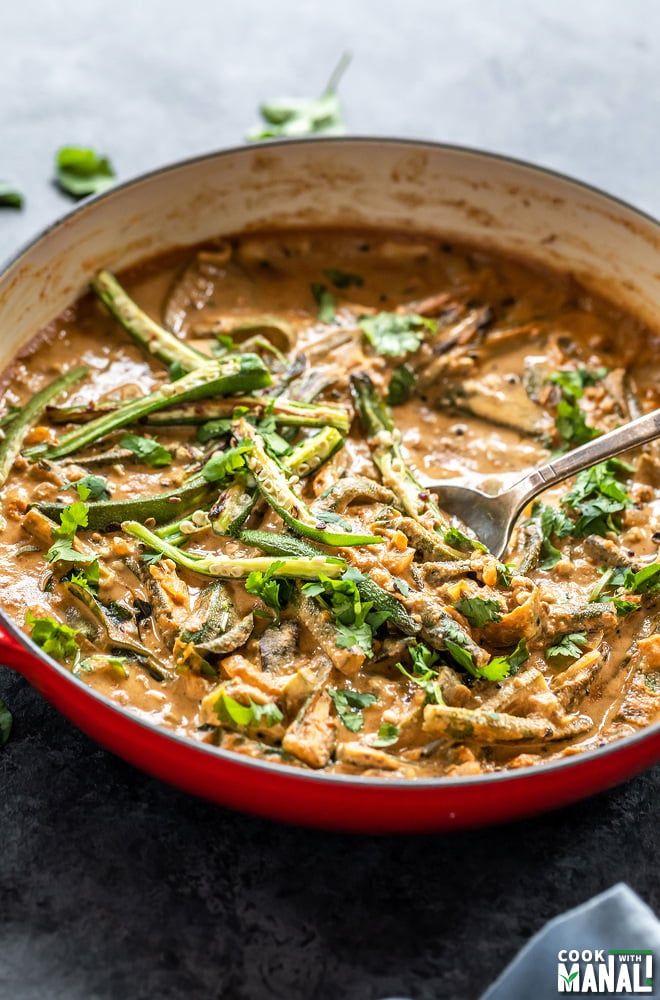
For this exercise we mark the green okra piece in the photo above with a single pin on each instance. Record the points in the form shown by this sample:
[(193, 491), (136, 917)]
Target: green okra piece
[(149, 335), (287, 412), (217, 378), (274, 487), (115, 638), (236, 569), (160, 507), (385, 440), (15, 434), (235, 503), (288, 546)]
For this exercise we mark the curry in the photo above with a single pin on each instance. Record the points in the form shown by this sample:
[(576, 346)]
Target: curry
[(213, 504)]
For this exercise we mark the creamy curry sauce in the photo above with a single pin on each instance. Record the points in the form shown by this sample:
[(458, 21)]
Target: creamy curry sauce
[(460, 665)]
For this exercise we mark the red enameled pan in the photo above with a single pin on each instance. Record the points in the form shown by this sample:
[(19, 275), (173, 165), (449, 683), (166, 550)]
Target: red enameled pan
[(458, 194)]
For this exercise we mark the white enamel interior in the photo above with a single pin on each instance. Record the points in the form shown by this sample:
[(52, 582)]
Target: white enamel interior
[(455, 193)]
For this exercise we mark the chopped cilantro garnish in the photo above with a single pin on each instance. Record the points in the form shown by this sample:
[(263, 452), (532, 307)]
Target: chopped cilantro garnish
[(72, 517), (213, 429), (267, 427), (92, 488), (147, 449), (354, 619), (224, 465), (294, 116), (423, 674), (325, 300), (387, 735), (502, 666), (573, 381), (393, 334), (349, 705), (599, 499), (454, 536), (568, 647), (553, 524), (275, 593), (572, 425), (645, 581), (479, 611), (57, 640), (82, 171), (232, 712)]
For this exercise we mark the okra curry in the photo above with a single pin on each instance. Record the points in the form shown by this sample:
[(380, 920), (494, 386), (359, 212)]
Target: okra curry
[(213, 504)]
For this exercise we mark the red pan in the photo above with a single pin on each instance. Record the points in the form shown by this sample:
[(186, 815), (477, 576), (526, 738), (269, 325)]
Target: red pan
[(458, 194)]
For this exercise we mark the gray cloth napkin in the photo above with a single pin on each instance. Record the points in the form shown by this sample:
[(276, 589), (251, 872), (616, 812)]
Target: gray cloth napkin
[(615, 921)]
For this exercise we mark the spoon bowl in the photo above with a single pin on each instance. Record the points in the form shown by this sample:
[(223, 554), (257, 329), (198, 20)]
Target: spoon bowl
[(492, 518)]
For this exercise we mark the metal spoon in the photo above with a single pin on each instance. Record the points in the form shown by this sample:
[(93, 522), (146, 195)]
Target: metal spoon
[(492, 518)]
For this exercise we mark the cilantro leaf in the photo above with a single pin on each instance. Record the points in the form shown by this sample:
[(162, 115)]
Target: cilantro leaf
[(224, 465), (72, 517), (6, 721), (393, 334), (96, 486), (325, 300), (10, 197), (599, 499), (147, 449), (275, 593), (553, 524), (214, 428), (81, 172), (57, 640), (267, 427), (87, 576), (387, 735), (454, 536), (232, 712), (569, 646), (354, 619), (645, 581), (292, 116), (573, 381), (572, 425), (349, 705), (401, 385), (343, 279), (504, 573), (502, 666), (479, 611), (423, 674)]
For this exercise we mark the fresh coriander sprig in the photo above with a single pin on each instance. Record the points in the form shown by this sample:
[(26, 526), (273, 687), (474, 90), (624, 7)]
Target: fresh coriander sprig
[(291, 116)]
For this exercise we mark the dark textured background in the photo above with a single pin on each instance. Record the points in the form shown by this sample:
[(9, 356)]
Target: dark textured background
[(113, 885)]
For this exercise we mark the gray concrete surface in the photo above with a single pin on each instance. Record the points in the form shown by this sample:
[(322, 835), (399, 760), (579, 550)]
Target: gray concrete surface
[(113, 885)]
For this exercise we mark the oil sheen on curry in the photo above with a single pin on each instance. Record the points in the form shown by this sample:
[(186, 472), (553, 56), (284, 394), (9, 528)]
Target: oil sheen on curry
[(213, 504)]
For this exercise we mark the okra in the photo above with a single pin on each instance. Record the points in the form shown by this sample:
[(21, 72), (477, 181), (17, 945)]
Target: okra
[(287, 412), (385, 441), (15, 434), (235, 569), (233, 506), (217, 378), (160, 507), (149, 335), (273, 486), (285, 545)]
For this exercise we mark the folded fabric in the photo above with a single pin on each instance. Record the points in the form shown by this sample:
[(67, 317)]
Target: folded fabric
[(608, 946)]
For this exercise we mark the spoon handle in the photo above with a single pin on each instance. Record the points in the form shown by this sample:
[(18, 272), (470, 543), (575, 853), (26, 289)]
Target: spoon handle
[(631, 435)]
